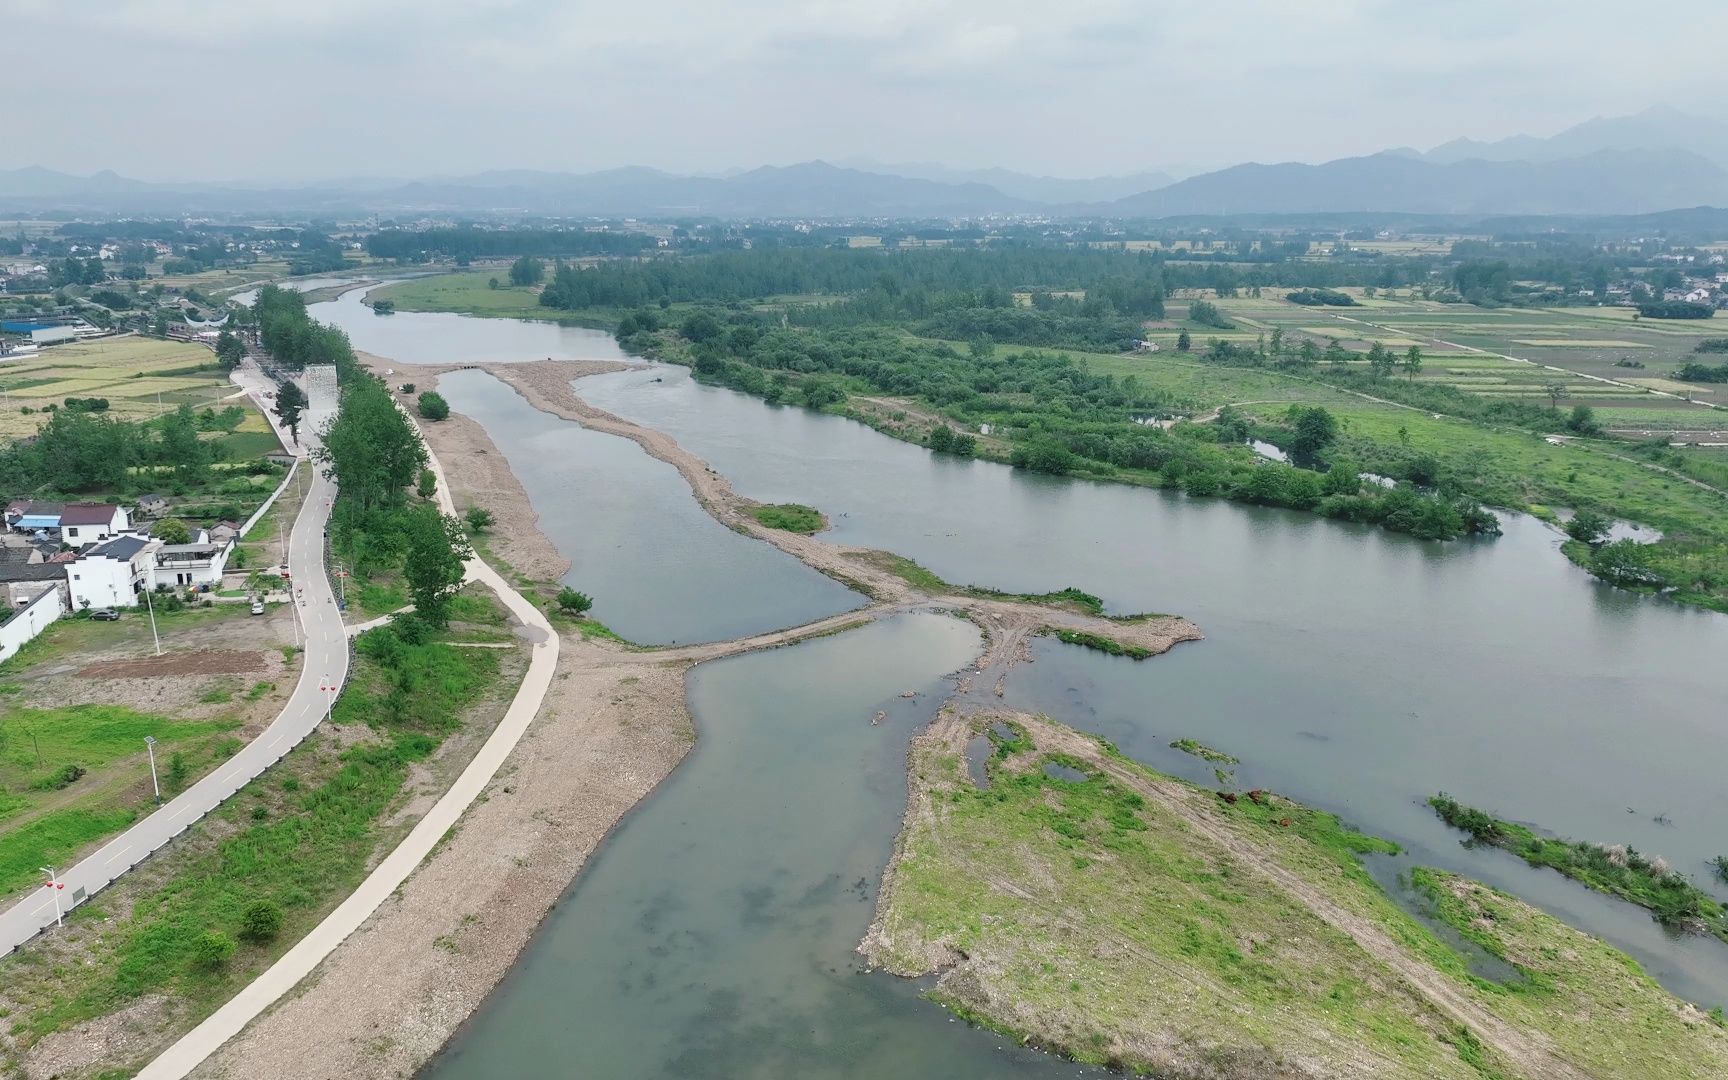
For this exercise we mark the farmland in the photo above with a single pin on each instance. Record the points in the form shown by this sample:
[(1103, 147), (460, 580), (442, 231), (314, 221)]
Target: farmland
[(140, 377), (1563, 356)]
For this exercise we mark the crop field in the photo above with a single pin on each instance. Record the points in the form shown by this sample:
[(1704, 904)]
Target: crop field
[(1602, 357), (141, 378)]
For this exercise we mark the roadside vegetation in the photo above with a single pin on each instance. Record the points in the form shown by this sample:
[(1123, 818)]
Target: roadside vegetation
[(193, 925), (1157, 926)]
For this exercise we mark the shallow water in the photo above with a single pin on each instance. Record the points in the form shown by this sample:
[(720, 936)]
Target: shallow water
[(1346, 666), (422, 337), (660, 569), (713, 934)]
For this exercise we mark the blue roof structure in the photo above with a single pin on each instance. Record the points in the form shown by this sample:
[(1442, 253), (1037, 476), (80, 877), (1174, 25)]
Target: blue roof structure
[(37, 521)]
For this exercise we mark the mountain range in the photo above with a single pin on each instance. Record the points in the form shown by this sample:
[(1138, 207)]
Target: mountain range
[(1654, 160)]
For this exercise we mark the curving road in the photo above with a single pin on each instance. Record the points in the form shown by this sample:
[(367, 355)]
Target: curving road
[(326, 656), (298, 962)]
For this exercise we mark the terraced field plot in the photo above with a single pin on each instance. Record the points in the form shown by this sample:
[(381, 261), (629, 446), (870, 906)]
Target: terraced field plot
[(1514, 353), (141, 378)]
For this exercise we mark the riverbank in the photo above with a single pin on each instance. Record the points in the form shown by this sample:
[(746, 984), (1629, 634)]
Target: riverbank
[(613, 728), (1085, 903)]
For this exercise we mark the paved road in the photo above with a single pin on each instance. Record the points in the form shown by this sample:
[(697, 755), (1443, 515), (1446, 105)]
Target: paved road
[(326, 665), (281, 977)]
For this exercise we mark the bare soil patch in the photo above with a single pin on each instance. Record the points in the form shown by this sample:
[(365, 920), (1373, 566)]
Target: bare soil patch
[(199, 662)]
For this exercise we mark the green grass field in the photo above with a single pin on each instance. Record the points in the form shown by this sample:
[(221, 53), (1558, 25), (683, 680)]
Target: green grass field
[(467, 293), (45, 818)]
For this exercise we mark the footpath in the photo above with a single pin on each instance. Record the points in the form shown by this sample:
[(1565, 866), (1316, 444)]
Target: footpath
[(281, 977)]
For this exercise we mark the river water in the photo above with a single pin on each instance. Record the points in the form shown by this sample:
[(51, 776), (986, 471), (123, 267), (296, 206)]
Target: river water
[(660, 569), (1347, 667)]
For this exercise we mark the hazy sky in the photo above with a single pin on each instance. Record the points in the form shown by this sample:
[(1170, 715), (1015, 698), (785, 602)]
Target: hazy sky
[(253, 89)]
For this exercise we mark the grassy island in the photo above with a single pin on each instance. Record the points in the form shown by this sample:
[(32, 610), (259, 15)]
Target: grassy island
[(1087, 904)]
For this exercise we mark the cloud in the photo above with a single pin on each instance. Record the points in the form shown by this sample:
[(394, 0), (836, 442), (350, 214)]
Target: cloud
[(329, 87)]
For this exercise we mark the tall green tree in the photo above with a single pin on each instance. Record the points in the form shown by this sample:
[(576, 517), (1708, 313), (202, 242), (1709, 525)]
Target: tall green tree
[(432, 566), (229, 350), (527, 271), (290, 403), (370, 449)]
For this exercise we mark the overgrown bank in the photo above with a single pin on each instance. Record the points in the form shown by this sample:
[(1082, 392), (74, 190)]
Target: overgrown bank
[(1127, 918)]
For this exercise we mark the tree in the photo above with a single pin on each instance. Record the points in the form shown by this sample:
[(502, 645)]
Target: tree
[(572, 602), (1380, 360), (370, 449), (181, 447), (1412, 361), (1588, 527), (261, 921), (427, 485), (479, 519), (433, 406), (1316, 429), (229, 350), (1555, 392), (290, 402), (941, 438), (491, 283), (171, 531), (1184, 342), (527, 271), (432, 566)]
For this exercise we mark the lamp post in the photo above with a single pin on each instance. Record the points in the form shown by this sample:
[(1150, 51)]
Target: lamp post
[(54, 885), (150, 747)]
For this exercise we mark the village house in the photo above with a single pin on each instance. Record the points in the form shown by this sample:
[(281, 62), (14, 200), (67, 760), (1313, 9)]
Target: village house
[(181, 565), (25, 574), (109, 575), (91, 523), (152, 505), (32, 516)]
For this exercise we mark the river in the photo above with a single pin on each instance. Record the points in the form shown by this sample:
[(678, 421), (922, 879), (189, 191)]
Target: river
[(1348, 667)]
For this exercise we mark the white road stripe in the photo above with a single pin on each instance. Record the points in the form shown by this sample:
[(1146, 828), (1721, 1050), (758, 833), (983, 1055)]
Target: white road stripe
[(119, 853)]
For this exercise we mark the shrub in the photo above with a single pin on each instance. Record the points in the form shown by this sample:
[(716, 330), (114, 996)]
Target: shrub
[(479, 519), (433, 406), (572, 602), (211, 950), (261, 921)]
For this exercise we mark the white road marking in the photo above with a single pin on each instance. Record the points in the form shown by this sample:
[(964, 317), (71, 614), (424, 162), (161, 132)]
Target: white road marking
[(119, 853)]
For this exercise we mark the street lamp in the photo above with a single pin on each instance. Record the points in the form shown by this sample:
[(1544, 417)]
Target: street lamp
[(54, 885), (150, 747)]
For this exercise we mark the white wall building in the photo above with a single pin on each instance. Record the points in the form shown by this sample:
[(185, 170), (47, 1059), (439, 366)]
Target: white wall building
[(179, 565), (110, 574), (92, 523)]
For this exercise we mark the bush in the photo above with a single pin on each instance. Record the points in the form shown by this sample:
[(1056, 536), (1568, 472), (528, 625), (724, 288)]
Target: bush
[(572, 602), (261, 921), (211, 950), (479, 519), (433, 406)]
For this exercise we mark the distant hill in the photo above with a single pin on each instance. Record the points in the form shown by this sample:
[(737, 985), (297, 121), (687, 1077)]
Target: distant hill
[(1051, 190), (1604, 182), (812, 189), (1656, 128)]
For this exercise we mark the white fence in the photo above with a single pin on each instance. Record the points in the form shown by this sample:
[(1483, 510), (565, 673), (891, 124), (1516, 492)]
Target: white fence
[(30, 620)]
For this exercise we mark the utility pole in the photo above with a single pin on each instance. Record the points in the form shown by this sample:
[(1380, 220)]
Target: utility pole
[(150, 605), (150, 746), (54, 885)]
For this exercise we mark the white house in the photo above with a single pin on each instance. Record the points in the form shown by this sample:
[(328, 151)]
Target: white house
[(110, 574), (180, 565), (92, 523)]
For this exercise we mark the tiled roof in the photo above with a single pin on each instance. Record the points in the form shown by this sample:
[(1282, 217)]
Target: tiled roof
[(87, 514)]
